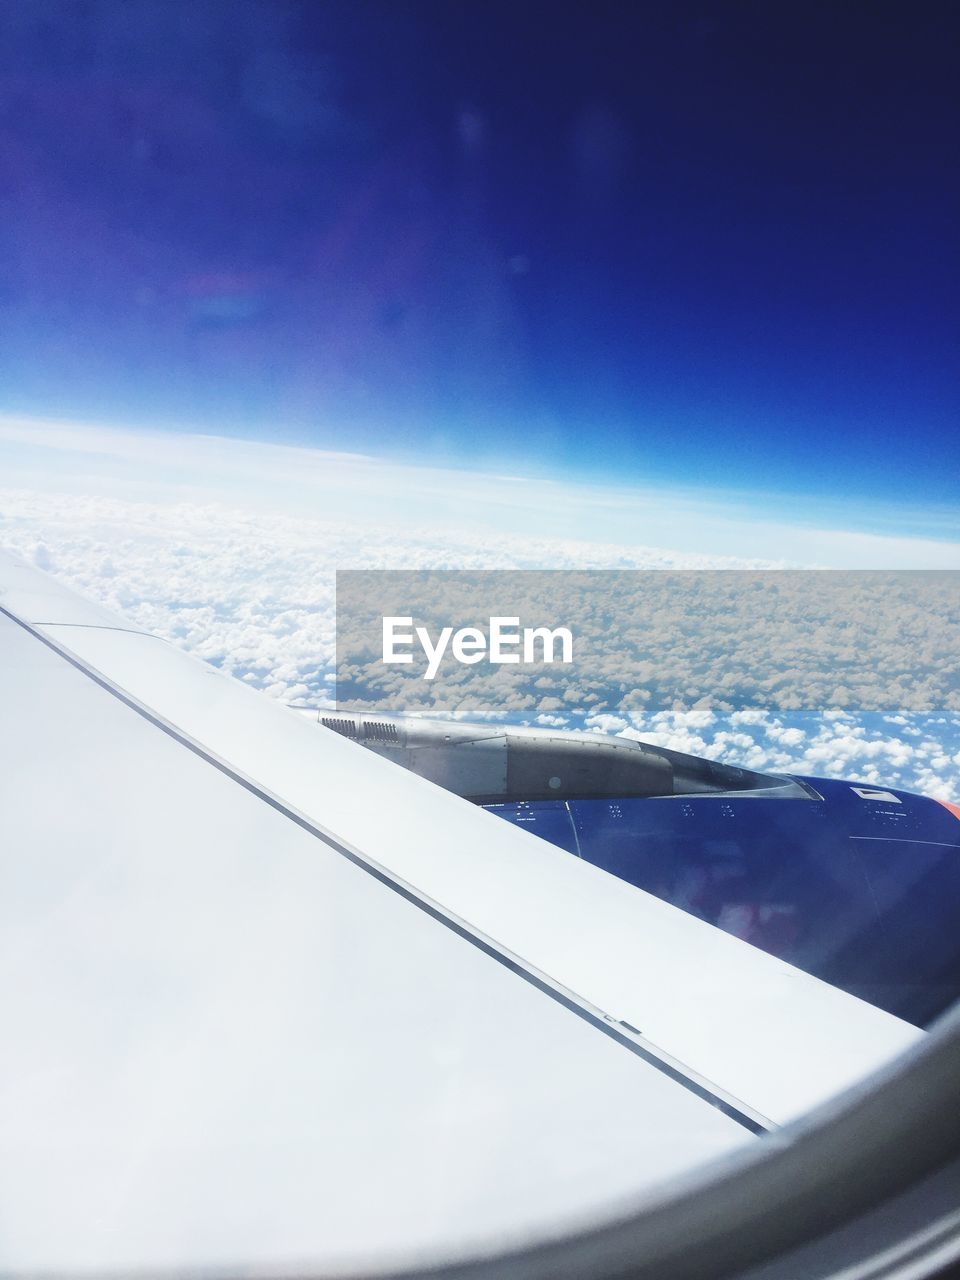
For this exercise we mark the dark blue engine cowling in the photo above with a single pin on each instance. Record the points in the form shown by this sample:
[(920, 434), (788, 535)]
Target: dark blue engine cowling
[(860, 886)]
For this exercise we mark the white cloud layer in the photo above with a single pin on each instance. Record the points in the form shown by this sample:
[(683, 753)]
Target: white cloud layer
[(229, 550)]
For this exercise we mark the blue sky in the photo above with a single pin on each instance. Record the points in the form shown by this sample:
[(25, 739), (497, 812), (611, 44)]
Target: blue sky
[(690, 245)]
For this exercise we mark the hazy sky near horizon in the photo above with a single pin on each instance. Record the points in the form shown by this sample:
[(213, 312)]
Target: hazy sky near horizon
[(705, 246), (485, 516)]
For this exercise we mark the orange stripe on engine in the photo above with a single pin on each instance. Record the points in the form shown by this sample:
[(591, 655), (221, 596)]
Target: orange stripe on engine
[(954, 808)]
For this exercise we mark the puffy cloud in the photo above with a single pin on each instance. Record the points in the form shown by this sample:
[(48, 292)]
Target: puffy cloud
[(603, 722), (549, 704), (786, 737)]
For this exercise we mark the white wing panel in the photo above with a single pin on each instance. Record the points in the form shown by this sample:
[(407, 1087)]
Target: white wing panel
[(761, 1030), (225, 1043)]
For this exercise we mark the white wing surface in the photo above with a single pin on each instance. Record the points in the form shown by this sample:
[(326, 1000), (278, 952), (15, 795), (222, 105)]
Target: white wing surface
[(267, 999)]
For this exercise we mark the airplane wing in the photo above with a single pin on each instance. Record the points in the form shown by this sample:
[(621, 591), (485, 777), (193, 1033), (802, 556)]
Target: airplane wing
[(268, 998)]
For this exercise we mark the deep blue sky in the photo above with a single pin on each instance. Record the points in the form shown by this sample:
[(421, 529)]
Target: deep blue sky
[(714, 242)]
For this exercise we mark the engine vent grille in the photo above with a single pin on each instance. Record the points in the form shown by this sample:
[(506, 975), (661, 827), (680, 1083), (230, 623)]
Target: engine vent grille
[(347, 727), (379, 731), (367, 730)]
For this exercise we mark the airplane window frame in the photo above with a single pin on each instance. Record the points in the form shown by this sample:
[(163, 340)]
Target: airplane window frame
[(866, 1182)]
